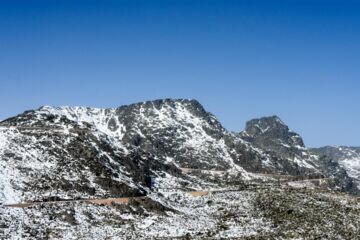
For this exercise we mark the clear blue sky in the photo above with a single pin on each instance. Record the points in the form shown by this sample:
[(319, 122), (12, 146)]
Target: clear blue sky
[(298, 59)]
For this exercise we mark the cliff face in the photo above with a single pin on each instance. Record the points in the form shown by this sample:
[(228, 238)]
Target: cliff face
[(348, 161), (285, 147), (290, 156)]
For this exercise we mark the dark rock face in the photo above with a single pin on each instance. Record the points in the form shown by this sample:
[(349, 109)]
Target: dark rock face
[(177, 129), (341, 179), (342, 162), (290, 156), (284, 146), (338, 153), (271, 134)]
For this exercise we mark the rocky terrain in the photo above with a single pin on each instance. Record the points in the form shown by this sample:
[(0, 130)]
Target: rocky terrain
[(261, 183)]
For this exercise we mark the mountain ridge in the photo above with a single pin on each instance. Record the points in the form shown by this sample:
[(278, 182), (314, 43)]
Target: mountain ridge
[(182, 130), (74, 153)]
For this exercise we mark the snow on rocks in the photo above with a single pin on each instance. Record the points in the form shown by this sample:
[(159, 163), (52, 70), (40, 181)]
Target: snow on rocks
[(80, 153)]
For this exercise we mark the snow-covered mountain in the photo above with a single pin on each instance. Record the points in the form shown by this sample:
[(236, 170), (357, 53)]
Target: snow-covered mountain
[(73, 152), (57, 153), (103, 147)]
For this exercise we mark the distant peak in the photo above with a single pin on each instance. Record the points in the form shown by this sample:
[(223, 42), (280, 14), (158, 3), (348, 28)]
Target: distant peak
[(261, 125), (191, 105), (268, 120), (274, 128)]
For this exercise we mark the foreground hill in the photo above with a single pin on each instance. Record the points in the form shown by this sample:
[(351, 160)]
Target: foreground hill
[(72, 153)]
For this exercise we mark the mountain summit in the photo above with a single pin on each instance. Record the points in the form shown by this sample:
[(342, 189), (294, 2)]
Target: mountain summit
[(273, 129)]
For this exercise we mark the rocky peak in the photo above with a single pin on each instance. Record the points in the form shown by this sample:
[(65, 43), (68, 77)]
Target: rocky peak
[(161, 111), (274, 128), (175, 108), (285, 147), (261, 125), (177, 129)]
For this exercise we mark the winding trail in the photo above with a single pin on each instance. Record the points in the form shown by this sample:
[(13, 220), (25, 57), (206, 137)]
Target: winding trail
[(104, 201)]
